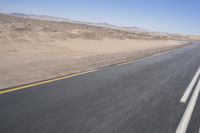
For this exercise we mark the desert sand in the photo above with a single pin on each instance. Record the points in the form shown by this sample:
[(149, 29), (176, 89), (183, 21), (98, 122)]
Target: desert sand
[(33, 50)]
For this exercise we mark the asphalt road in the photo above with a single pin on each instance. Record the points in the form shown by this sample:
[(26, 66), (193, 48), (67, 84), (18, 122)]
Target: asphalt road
[(139, 97)]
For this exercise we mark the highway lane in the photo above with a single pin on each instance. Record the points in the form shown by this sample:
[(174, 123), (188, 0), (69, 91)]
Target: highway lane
[(140, 97)]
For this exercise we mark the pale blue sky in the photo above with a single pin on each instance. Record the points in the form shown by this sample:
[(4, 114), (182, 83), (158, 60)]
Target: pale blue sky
[(177, 16)]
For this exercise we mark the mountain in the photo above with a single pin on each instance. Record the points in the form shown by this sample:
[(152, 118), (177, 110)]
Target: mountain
[(60, 19), (41, 17)]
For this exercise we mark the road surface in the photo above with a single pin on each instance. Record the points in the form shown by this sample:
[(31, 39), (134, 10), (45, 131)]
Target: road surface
[(158, 94)]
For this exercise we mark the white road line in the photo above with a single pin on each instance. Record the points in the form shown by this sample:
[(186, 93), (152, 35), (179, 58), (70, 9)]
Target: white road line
[(199, 129), (189, 88), (182, 127)]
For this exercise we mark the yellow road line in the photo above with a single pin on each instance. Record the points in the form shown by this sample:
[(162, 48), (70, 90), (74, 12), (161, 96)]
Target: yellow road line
[(44, 82), (124, 63)]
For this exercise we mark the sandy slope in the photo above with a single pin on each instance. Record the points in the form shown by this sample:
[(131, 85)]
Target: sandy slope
[(34, 50), (30, 63)]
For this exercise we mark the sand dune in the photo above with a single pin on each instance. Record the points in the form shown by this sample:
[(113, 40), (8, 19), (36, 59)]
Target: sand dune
[(33, 50)]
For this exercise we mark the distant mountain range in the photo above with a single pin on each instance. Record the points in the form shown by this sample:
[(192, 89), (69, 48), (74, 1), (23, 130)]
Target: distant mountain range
[(60, 19), (106, 25)]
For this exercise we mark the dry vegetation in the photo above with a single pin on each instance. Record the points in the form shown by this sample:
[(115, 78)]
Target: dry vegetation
[(23, 28)]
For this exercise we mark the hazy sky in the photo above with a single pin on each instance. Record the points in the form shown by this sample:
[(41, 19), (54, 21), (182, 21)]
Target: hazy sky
[(179, 16)]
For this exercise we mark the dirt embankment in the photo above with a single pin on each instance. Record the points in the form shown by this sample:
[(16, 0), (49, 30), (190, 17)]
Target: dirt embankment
[(34, 50)]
